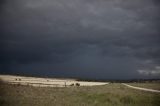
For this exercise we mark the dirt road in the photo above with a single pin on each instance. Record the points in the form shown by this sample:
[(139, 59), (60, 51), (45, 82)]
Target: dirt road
[(143, 89)]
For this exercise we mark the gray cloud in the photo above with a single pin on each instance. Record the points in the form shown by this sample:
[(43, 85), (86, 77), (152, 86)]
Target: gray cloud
[(80, 38)]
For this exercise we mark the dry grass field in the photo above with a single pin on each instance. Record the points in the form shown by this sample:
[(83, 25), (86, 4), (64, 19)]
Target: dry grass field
[(114, 94)]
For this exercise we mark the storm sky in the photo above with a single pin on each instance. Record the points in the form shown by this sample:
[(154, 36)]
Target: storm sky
[(104, 39)]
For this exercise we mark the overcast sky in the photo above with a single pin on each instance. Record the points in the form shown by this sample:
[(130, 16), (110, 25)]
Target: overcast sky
[(105, 39)]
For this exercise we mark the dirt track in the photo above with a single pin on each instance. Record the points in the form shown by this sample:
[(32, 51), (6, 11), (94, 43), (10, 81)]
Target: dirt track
[(45, 82), (143, 89)]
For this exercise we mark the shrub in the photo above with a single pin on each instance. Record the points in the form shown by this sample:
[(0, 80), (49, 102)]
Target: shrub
[(72, 84), (77, 84)]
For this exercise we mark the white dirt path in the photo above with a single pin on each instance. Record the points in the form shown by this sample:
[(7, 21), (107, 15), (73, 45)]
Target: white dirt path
[(143, 89)]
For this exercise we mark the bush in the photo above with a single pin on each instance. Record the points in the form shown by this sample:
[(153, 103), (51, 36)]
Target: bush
[(72, 84), (77, 84)]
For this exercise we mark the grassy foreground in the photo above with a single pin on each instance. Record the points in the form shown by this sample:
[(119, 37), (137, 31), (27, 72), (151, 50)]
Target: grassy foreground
[(107, 95)]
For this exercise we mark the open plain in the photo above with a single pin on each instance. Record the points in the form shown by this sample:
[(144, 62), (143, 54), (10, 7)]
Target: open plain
[(106, 94)]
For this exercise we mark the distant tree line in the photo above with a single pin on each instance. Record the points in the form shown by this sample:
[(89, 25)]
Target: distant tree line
[(120, 80)]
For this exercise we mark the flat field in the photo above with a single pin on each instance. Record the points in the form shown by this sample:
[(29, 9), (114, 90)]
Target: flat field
[(114, 94), (46, 82)]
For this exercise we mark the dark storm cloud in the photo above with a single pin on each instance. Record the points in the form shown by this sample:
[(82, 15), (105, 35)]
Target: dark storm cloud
[(81, 38)]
